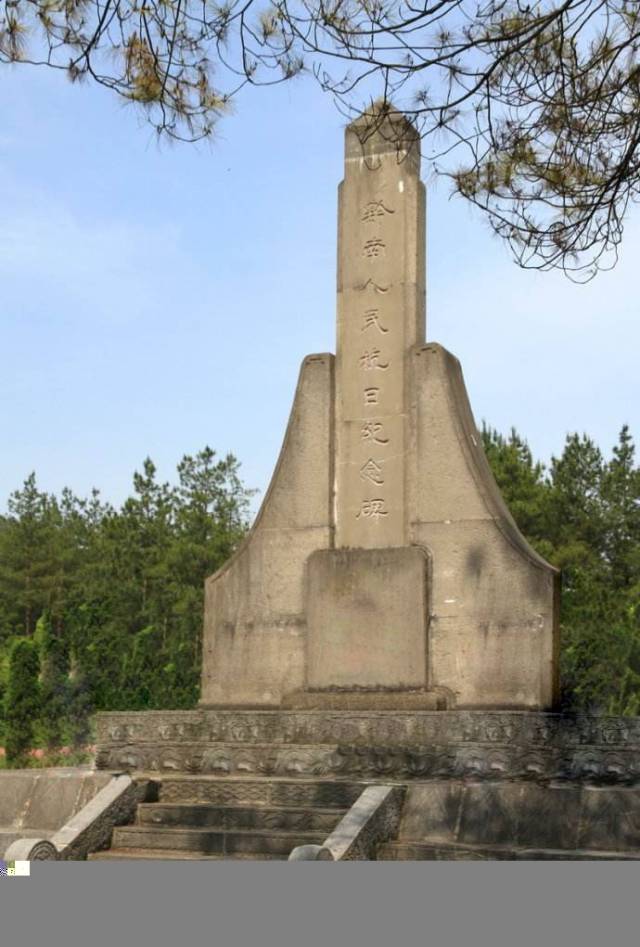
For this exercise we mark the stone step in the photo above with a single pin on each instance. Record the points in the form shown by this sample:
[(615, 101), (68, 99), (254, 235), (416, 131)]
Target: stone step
[(212, 841), (160, 854), (238, 817), (271, 792), (432, 851)]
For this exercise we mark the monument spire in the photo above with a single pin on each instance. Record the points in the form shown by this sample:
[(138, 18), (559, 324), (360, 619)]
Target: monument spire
[(380, 317)]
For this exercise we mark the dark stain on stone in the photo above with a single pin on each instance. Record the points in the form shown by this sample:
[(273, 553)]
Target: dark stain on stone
[(475, 562)]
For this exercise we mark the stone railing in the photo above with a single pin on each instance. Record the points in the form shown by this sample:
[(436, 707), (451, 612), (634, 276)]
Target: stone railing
[(373, 818), (87, 831)]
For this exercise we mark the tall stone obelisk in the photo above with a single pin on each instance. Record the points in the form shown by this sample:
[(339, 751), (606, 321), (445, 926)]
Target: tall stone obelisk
[(381, 316), (383, 570)]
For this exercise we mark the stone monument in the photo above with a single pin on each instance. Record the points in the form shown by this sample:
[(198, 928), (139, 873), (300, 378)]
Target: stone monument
[(384, 569), (381, 653)]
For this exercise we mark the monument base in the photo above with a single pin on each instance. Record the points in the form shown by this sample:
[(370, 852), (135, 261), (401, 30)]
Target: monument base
[(367, 744), (479, 784), (438, 699)]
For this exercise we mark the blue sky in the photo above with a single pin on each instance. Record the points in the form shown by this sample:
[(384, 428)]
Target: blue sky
[(157, 299)]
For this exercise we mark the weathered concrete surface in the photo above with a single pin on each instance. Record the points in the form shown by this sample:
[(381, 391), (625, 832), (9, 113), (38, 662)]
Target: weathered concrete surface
[(372, 819), (36, 803), (368, 699), (255, 626), (367, 613), (89, 829), (479, 784), (385, 455), (375, 745), (494, 634), (523, 819), (491, 728), (381, 316)]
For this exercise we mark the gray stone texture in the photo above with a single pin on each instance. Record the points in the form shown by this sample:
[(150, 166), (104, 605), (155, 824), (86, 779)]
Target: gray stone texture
[(518, 820), (380, 317), (373, 818), (479, 784), (494, 633), (254, 625), (87, 830), (367, 614), (382, 453), (35, 804), (375, 745)]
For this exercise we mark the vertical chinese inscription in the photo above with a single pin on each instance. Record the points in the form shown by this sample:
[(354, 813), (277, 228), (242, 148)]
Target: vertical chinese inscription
[(380, 317)]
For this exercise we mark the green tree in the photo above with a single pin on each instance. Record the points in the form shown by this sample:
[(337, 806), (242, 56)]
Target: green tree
[(211, 517), (27, 555), (113, 598), (592, 520), (136, 626), (522, 483), (22, 704), (54, 684), (80, 708), (583, 515), (621, 500)]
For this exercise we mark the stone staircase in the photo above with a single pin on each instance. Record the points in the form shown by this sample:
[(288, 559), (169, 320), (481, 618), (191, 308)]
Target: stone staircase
[(210, 817), (479, 784), (213, 818)]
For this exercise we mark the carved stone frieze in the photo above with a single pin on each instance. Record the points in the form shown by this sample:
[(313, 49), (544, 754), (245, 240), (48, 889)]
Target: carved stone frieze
[(204, 726), (246, 792), (474, 761)]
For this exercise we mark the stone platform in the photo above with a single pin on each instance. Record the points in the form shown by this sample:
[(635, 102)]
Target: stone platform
[(374, 746), (479, 784)]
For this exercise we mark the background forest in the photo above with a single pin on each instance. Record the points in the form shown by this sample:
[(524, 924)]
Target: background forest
[(101, 608)]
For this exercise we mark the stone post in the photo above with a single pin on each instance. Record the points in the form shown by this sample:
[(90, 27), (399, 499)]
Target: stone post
[(381, 315)]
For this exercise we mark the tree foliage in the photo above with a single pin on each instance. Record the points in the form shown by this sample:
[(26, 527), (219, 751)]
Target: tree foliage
[(54, 683), (583, 514), (112, 599), (532, 109), (21, 700)]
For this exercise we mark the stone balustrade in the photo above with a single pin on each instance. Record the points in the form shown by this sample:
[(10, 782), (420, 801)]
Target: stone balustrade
[(372, 819), (89, 830)]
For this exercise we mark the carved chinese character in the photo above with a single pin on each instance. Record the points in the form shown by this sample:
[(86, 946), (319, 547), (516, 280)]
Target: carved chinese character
[(373, 248), (372, 471), (372, 509), (371, 395), (371, 360), (370, 284), (375, 209), (372, 431), (371, 320)]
